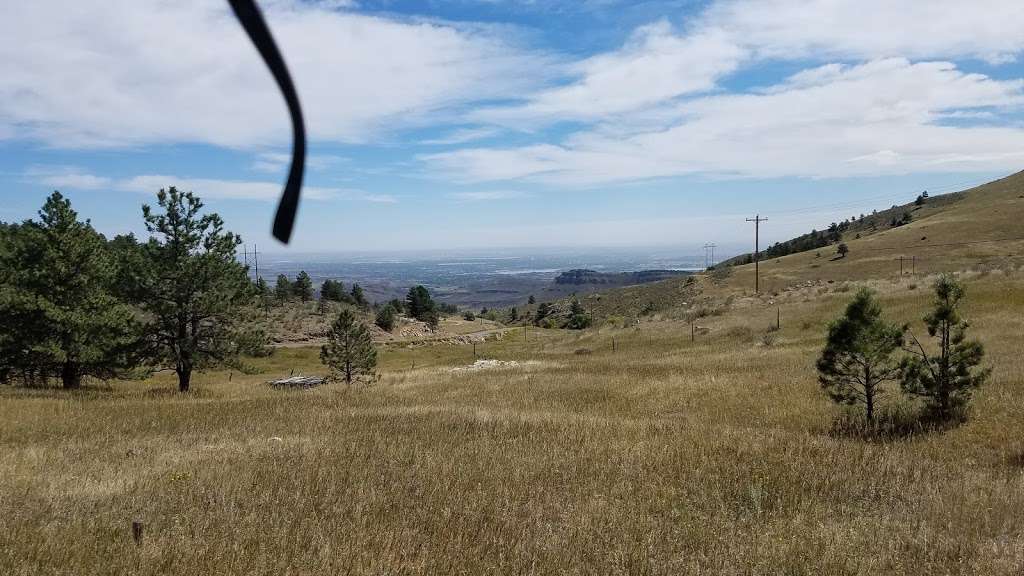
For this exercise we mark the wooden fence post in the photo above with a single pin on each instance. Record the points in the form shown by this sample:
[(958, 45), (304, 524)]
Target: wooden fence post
[(137, 532)]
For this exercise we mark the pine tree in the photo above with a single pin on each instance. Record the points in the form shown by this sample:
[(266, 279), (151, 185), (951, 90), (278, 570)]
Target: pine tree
[(59, 315), (542, 312), (531, 300), (349, 351), (262, 290), (513, 314), (419, 304), (283, 288), (398, 305), (946, 378), (332, 291), (190, 285), (843, 250), (358, 298), (386, 318), (858, 356), (302, 288), (578, 317)]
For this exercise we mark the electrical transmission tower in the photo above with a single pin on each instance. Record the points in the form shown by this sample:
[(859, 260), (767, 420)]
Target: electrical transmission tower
[(709, 246)]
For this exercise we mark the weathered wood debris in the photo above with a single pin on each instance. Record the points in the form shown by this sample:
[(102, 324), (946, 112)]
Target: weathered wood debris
[(297, 382)]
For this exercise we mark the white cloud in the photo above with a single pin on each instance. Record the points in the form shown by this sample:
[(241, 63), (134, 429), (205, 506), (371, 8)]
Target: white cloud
[(127, 72), (69, 177), (871, 29), (882, 117), (60, 177), (486, 195), (655, 65), (380, 198), (221, 189), (278, 162), (463, 135)]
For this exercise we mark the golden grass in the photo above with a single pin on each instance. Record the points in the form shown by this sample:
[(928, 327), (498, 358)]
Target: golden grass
[(664, 457)]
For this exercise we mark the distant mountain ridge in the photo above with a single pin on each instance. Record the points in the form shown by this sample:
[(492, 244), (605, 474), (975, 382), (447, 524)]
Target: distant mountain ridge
[(581, 276)]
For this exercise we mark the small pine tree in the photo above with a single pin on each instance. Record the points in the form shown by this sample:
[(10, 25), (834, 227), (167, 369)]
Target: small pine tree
[(349, 351), (303, 287), (386, 318), (945, 379), (842, 250), (262, 290), (513, 314), (858, 356), (578, 317), (432, 319), (468, 315), (358, 298), (419, 304), (532, 300), (542, 312), (282, 288)]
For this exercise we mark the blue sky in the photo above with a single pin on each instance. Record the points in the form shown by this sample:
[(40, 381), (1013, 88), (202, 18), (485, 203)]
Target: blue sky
[(491, 123)]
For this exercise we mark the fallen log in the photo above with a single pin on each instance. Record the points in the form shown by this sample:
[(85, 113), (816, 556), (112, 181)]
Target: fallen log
[(297, 382)]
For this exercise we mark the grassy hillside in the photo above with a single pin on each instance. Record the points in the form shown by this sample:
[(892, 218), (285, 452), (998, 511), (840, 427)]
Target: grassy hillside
[(665, 456), (624, 449), (977, 229)]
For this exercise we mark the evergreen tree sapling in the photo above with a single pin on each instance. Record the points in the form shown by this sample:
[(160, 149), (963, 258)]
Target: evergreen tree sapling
[(358, 298), (946, 377), (386, 318), (349, 351), (303, 287), (858, 358), (282, 288)]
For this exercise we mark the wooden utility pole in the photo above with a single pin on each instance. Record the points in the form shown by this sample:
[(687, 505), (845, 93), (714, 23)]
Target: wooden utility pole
[(757, 250), (913, 265), (256, 259)]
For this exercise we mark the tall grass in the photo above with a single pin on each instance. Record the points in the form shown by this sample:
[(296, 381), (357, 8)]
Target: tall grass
[(663, 457)]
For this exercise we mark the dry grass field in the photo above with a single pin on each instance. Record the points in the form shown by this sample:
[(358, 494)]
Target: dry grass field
[(624, 449), (663, 457)]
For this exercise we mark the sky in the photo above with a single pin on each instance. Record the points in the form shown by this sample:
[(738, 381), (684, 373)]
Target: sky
[(511, 123)]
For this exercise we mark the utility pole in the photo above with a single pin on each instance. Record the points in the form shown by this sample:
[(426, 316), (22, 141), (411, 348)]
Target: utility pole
[(256, 258), (757, 250), (708, 246), (913, 265)]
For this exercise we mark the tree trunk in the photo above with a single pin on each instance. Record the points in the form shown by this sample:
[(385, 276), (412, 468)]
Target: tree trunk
[(869, 395), (70, 377), (184, 378)]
